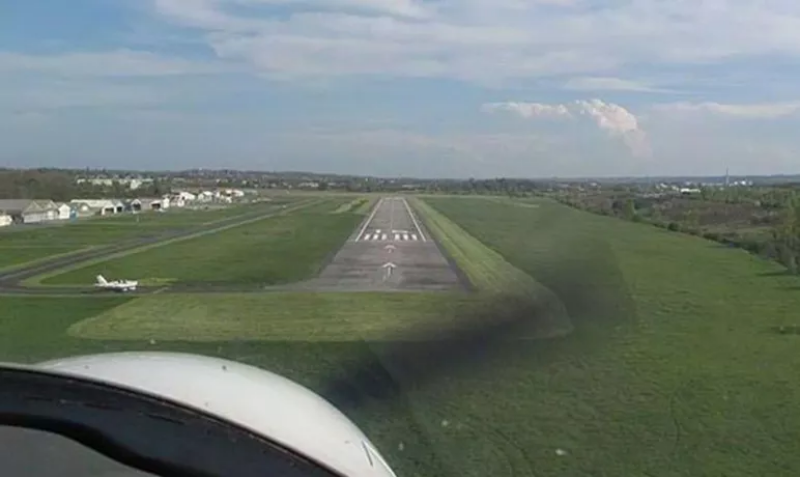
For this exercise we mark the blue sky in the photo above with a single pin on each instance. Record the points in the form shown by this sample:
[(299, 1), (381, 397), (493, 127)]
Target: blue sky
[(457, 88)]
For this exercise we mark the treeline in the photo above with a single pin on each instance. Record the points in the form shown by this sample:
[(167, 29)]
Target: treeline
[(777, 220), (60, 186)]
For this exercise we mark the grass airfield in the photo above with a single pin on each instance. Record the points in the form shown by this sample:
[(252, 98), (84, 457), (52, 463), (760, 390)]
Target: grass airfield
[(677, 373)]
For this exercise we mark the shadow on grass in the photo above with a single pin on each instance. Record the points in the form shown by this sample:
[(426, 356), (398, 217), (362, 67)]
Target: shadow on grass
[(777, 273)]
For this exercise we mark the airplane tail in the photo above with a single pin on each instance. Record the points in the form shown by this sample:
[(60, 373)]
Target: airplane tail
[(101, 280)]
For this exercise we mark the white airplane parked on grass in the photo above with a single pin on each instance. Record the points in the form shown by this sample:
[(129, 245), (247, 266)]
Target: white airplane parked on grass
[(116, 285)]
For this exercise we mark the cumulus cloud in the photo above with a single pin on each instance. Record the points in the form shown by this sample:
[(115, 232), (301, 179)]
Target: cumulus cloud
[(486, 40), (740, 111), (612, 118)]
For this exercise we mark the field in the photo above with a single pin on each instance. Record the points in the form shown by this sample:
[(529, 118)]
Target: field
[(276, 250), (36, 242), (672, 366)]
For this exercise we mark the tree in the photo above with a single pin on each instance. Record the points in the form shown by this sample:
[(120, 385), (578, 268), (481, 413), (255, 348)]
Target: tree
[(629, 210), (786, 236)]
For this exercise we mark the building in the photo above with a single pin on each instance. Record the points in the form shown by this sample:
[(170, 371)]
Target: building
[(119, 206), (64, 211), (79, 209), (186, 196), (150, 203), (28, 211), (100, 206), (5, 219)]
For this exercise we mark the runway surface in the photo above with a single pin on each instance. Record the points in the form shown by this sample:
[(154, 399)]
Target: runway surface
[(391, 251)]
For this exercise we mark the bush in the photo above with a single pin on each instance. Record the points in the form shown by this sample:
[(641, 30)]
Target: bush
[(673, 227)]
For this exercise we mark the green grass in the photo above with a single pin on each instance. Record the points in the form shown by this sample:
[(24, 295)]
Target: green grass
[(365, 207), (12, 256), (35, 329), (353, 206), (696, 384), (23, 245), (684, 378), (276, 250), (278, 316)]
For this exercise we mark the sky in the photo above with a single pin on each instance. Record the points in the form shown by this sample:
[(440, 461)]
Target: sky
[(418, 88)]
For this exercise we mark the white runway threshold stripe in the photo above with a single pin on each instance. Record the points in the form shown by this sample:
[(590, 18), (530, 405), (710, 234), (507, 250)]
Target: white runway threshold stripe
[(369, 220), (399, 237)]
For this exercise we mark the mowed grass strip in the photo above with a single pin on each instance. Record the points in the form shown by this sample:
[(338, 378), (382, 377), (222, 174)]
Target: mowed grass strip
[(486, 269), (275, 250), (276, 316), (492, 275)]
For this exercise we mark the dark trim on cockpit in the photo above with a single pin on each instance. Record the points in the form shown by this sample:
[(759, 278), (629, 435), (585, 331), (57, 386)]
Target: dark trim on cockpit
[(143, 431)]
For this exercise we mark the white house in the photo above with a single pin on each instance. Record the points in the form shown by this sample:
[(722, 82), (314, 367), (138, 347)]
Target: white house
[(119, 206), (101, 206), (150, 203), (186, 196), (29, 211), (79, 209), (64, 211), (5, 219)]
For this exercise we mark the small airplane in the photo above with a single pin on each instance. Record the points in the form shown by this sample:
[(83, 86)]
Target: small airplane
[(116, 285)]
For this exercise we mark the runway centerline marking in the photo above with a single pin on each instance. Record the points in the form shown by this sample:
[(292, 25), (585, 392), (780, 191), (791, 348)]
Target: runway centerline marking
[(413, 219)]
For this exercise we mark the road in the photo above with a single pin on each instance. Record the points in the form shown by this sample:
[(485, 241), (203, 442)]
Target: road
[(391, 251)]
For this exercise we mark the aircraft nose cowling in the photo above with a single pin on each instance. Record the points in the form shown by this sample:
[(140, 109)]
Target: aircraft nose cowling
[(261, 401)]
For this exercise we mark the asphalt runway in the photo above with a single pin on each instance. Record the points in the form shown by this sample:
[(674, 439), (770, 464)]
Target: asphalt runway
[(391, 251)]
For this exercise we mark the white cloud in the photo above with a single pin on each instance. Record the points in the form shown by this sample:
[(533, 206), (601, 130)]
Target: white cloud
[(528, 110), (118, 63), (740, 111), (611, 118), (487, 41), (610, 84)]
